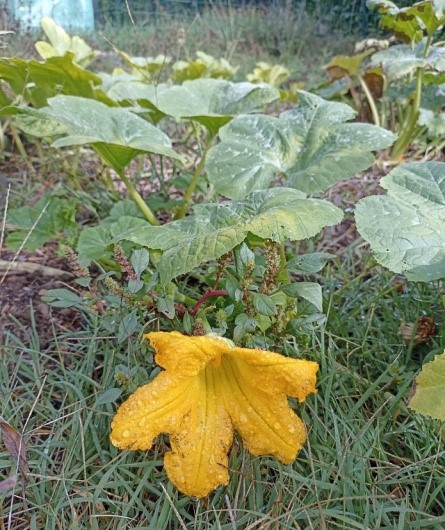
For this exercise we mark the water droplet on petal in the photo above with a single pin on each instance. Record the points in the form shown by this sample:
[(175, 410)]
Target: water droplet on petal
[(291, 428), (126, 434), (243, 418), (142, 423), (277, 425)]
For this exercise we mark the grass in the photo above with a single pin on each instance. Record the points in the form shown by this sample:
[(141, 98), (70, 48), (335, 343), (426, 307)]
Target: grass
[(244, 37), (368, 462)]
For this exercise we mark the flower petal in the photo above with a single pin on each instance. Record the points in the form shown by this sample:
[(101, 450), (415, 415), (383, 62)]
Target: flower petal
[(154, 408), (184, 355), (198, 461), (274, 373), (264, 420)]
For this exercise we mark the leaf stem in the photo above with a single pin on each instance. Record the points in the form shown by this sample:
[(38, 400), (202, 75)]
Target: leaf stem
[(410, 125), (371, 101), (194, 182), (134, 194)]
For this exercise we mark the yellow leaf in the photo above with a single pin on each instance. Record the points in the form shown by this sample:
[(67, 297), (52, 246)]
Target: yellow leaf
[(208, 389)]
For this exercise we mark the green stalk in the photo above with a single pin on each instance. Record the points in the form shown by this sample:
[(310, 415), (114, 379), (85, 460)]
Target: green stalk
[(134, 194), (409, 127), (371, 101), (194, 182), (283, 275), (20, 147)]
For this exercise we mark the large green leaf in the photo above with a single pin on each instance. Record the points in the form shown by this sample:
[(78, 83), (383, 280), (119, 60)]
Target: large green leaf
[(96, 242), (33, 121), (406, 227), (214, 229), (310, 144), (429, 389), (37, 81), (211, 102), (117, 134), (401, 60)]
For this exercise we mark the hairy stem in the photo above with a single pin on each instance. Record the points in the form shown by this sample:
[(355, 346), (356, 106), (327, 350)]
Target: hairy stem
[(371, 101), (134, 194), (410, 125), (194, 182)]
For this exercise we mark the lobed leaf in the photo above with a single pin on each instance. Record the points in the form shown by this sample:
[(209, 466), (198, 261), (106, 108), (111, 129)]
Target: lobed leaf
[(211, 102), (311, 145), (402, 60), (215, 229), (408, 23), (406, 227), (117, 134)]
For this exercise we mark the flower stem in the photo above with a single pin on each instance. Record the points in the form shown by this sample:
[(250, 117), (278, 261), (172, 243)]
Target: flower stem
[(134, 194)]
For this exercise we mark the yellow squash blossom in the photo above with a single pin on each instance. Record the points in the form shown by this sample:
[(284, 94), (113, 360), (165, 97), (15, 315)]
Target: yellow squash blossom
[(208, 389)]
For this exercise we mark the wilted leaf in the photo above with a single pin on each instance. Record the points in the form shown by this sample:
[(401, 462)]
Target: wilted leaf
[(214, 229), (311, 145), (406, 227), (15, 446), (8, 484), (346, 65), (408, 23), (429, 389)]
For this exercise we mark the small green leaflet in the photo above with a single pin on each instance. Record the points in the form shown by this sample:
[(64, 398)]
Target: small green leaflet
[(311, 145), (214, 229), (139, 260), (111, 395), (264, 305), (429, 389), (63, 298), (310, 263), (406, 227), (129, 324), (310, 291)]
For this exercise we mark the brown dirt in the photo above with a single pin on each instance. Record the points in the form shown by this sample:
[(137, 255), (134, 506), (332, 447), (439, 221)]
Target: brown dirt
[(21, 290)]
